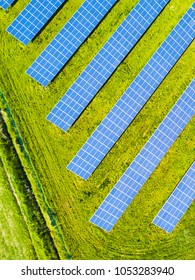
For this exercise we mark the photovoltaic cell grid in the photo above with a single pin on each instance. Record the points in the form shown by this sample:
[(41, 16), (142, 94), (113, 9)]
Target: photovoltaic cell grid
[(178, 203), (6, 4), (68, 40), (146, 161), (132, 101), (104, 63), (30, 21)]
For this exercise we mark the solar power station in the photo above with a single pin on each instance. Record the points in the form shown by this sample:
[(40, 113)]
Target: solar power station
[(146, 161), (178, 203), (30, 21), (134, 98), (68, 40), (6, 4), (105, 63)]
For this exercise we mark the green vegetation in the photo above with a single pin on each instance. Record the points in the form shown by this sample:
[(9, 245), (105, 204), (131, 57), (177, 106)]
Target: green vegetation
[(15, 240), (32, 179), (21, 216), (72, 200)]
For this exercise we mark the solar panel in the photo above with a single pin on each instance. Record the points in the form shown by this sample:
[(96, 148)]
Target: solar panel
[(104, 63), (34, 16), (178, 203), (134, 98), (68, 40), (146, 161), (5, 4)]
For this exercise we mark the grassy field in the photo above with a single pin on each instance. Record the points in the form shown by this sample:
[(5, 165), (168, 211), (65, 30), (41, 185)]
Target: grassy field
[(72, 200), (23, 229), (15, 239)]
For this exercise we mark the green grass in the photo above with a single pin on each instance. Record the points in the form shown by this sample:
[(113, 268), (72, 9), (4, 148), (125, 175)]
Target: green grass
[(14, 238), (23, 229), (73, 201)]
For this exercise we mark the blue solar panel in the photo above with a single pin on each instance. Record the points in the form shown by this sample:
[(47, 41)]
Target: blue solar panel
[(146, 161), (178, 203), (104, 63), (68, 40), (30, 21), (5, 4), (132, 101)]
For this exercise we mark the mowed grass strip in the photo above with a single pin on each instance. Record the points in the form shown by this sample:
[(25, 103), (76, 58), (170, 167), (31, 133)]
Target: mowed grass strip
[(73, 200), (14, 238), (19, 209)]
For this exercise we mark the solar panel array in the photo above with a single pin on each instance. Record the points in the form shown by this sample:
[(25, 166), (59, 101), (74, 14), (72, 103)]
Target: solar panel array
[(146, 161), (68, 40), (178, 203), (104, 63), (131, 102), (5, 4), (34, 16)]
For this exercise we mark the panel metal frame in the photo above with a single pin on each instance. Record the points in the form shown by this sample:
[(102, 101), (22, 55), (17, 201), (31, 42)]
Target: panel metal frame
[(84, 89), (178, 202), (146, 161), (68, 40), (33, 18), (134, 98)]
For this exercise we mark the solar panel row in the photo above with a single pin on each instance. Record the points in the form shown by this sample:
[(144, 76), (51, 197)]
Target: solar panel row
[(68, 40), (104, 63), (5, 3), (178, 203), (135, 97), (146, 161), (34, 16)]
